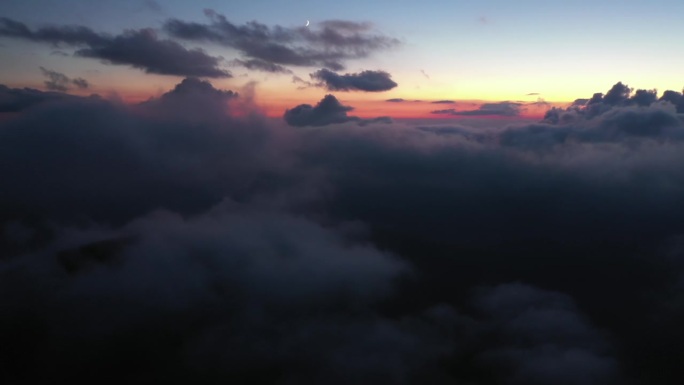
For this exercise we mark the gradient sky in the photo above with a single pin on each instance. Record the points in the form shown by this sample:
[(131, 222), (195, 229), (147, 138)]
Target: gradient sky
[(455, 50)]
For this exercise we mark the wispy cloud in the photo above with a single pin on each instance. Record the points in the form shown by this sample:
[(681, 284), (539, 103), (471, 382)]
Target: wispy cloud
[(60, 82), (370, 81)]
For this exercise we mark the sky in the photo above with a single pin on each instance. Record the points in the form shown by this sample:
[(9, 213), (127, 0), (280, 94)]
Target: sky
[(442, 50), (481, 193)]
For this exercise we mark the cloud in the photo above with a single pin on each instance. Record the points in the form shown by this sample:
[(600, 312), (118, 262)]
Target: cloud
[(425, 74), (260, 65), (329, 44), (369, 81), (486, 109), (328, 111), (190, 238), (494, 109), (443, 102), (141, 49), (675, 98), (59, 82), (544, 338), (15, 99), (395, 100)]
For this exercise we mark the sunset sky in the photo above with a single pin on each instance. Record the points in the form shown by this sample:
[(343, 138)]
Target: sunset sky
[(466, 51)]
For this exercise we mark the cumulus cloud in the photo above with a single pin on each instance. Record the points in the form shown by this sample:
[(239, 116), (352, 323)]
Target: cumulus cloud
[(369, 81), (328, 44), (57, 81), (328, 111), (141, 49)]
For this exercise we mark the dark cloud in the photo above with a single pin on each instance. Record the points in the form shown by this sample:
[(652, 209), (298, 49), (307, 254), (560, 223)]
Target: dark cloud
[(59, 53), (329, 45), (395, 100), (494, 109), (619, 96), (328, 111), (177, 241), (543, 338), (675, 98), (59, 82), (533, 94), (56, 81), (80, 83), (260, 65), (15, 99), (443, 102), (140, 49), (369, 81)]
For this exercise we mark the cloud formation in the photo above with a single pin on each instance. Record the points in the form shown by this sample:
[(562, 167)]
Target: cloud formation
[(369, 81), (57, 81), (141, 49), (328, 111), (486, 109), (328, 45), (260, 65), (175, 240), (15, 99)]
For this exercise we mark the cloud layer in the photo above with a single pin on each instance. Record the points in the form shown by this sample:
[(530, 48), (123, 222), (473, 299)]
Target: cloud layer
[(176, 240), (329, 44)]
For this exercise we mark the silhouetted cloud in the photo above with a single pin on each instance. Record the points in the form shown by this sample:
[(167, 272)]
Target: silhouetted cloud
[(328, 111), (395, 100), (140, 49), (328, 46), (443, 102), (370, 81), (59, 82), (500, 109), (15, 99)]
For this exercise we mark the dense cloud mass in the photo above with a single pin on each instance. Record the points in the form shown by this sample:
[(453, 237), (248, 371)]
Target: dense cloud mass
[(190, 239), (328, 45), (328, 111), (141, 49), (370, 81)]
